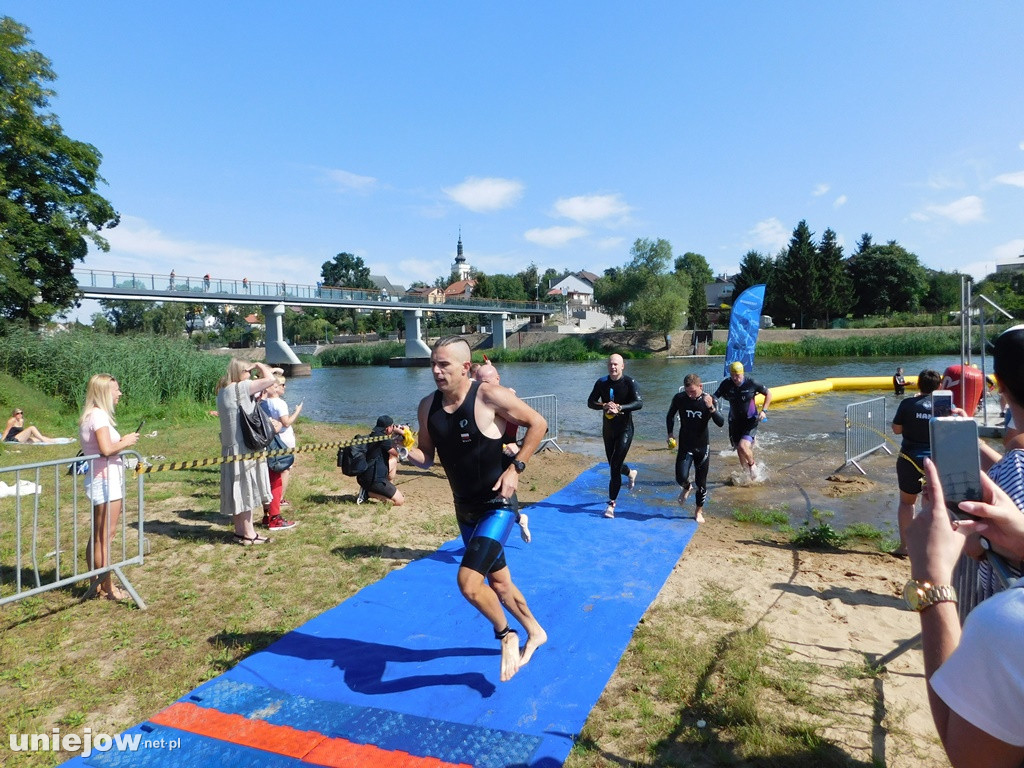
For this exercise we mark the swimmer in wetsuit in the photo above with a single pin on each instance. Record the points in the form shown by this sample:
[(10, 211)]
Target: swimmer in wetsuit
[(695, 408), (618, 396), (463, 422), (744, 417), (899, 383)]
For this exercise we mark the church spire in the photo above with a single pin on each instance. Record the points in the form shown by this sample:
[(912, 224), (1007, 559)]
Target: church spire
[(461, 266)]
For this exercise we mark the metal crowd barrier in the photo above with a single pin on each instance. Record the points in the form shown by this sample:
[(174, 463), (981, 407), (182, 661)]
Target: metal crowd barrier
[(865, 430), (546, 406), (46, 522)]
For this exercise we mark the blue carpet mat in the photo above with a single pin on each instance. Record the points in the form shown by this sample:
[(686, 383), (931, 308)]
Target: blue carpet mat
[(406, 664)]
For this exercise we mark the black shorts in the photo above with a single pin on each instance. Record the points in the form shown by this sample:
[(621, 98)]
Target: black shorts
[(742, 428), (910, 473), (382, 488)]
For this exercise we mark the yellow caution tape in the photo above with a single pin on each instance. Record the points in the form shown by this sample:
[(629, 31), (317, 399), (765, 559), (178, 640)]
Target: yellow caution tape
[(171, 466)]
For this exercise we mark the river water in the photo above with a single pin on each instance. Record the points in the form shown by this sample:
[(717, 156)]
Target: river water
[(801, 444)]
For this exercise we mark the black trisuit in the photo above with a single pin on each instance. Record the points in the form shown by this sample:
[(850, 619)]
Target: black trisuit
[(694, 444), (473, 463), (617, 431)]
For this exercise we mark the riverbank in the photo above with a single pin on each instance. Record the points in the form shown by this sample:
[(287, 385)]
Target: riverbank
[(816, 622)]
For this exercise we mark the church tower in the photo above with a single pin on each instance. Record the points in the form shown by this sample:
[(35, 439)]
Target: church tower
[(461, 266)]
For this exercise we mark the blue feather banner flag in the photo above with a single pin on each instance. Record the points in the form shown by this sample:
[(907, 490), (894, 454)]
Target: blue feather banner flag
[(743, 327)]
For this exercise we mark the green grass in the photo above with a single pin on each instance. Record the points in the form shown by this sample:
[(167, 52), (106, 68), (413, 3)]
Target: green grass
[(570, 349), (362, 354)]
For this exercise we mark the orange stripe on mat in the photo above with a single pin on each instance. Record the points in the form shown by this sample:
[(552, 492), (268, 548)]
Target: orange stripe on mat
[(308, 746)]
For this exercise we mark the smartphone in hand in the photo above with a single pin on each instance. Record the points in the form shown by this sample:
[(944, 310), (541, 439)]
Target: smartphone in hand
[(955, 453), (942, 403)]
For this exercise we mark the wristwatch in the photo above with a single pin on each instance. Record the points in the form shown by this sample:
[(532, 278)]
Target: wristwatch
[(921, 594), (520, 466)]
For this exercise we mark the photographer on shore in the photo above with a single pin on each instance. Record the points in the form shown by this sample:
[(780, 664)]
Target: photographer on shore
[(378, 480)]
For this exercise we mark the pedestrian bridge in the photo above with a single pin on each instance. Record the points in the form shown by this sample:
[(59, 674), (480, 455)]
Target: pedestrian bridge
[(272, 297)]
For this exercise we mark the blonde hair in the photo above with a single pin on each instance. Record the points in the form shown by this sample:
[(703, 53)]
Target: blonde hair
[(100, 394), (279, 378), (238, 370)]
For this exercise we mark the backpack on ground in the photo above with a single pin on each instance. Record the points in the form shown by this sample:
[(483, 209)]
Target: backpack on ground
[(352, 459)]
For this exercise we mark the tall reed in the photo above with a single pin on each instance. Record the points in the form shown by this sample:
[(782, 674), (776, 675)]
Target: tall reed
[(938, 342), (154, 371)]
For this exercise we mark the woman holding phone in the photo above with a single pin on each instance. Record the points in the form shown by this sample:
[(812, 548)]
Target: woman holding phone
[(104, 483)]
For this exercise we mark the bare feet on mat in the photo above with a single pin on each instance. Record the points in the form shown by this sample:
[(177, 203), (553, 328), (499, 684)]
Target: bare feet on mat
[(684, 494), (632, 479), (524, 527), (534, 640), (609, 511), (510, 657)]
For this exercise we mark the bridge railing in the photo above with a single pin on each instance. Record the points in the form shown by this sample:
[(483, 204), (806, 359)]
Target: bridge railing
[(260, 292)]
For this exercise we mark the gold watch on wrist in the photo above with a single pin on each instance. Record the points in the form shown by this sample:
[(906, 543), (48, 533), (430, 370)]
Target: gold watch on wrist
[(921, 594)]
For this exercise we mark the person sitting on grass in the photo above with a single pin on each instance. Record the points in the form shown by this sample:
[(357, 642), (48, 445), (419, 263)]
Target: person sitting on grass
[(17, 432)]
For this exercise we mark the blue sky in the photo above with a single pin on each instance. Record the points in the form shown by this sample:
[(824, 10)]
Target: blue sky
[(259, 139)]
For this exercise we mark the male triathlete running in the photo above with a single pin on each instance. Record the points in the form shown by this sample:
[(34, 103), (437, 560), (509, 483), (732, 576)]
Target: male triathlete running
[(695, 408), (744, 416), (618, 396), (463, 422)]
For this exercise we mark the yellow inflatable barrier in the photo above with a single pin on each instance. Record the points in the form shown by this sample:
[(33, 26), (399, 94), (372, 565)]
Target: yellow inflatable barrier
[(793, 391)]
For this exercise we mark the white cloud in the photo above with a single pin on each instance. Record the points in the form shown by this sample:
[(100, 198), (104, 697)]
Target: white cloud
[(136, 246), (1013, 179), (770, 234), (820, 190), (486, 194), (963, 211), (943, 182), (346, 180), (1009, 251), (592, 208), (839, 202), (554, 237)]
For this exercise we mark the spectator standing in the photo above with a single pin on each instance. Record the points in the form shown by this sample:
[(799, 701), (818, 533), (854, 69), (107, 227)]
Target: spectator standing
[(244, 484), (911, 421), (273, 404), (104, 483)]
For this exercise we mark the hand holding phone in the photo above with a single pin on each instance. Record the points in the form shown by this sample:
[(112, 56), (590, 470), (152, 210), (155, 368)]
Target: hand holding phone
[(954, 443), (942, 403)]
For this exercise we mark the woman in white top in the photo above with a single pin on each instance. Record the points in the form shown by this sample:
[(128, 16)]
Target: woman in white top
[(104, 483), (244, 485)]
